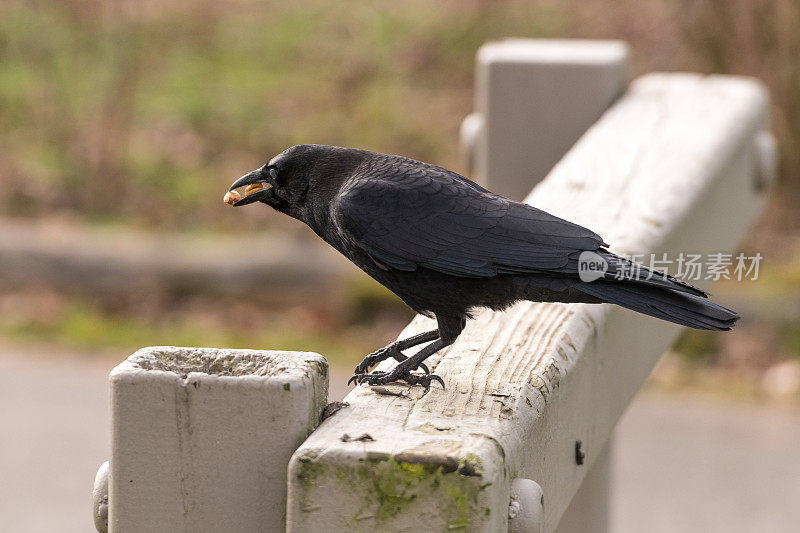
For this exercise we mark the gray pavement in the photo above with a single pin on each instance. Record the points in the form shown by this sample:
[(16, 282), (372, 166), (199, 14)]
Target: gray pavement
[(54, 434), (694, 464), (681, 463)]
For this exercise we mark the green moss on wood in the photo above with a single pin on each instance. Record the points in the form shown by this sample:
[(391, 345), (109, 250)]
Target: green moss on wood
[(389, 487)]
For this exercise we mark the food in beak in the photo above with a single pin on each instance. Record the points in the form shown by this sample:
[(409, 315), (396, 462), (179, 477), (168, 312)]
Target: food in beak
[(253, 187), (231, 197)]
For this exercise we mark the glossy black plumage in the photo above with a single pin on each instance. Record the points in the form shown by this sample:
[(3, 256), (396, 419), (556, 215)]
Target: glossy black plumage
[(446, 245)]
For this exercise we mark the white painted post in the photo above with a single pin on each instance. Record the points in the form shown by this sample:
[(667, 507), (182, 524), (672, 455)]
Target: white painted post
[(672, 167), (533, 99), (201, 437)]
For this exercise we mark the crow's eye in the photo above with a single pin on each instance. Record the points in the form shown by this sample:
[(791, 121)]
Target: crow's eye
[(274, 173)]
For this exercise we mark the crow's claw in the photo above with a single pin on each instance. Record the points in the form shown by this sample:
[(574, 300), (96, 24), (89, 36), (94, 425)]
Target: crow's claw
[(434, 377), (361, 371), (382, 378), (376, 378), (425, 381), (355, 379)]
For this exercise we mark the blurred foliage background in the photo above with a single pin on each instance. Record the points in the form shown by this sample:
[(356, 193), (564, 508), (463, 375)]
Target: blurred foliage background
[(140, 113)]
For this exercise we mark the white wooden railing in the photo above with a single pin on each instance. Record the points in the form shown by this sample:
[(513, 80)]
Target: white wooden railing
[(203, 440)]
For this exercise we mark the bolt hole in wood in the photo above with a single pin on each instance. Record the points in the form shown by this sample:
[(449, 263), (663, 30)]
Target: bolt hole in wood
[(580, 455)]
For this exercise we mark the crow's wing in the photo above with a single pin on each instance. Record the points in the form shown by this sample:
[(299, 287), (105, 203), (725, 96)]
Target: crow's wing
[(406, 215)]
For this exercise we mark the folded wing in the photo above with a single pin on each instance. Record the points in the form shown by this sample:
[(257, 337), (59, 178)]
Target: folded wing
[(408, 215)]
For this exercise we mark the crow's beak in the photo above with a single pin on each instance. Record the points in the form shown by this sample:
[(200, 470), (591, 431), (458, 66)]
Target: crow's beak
[(256, 177)]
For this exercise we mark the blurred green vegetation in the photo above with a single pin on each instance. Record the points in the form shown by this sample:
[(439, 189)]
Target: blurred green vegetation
[(790, 336), (80, 323), (699, 346), (145, 112), (142, 112)]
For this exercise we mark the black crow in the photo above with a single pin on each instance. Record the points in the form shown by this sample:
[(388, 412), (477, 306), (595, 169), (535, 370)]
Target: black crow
[(447, 246)]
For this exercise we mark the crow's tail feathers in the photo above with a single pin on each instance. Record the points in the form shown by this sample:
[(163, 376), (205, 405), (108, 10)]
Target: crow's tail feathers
[(667, 304)]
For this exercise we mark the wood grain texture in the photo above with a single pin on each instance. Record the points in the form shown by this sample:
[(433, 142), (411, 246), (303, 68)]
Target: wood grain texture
[(669, 168)]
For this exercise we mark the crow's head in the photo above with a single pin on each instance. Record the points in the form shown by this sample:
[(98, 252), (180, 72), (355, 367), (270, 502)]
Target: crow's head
[(298, 178)]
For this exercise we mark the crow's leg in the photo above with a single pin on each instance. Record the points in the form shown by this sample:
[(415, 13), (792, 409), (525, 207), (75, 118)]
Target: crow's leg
[(393, 350), (449, 330)]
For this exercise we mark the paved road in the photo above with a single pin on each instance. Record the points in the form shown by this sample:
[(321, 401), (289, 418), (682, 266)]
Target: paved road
[(688, 464), (53, 436), (682, 463)]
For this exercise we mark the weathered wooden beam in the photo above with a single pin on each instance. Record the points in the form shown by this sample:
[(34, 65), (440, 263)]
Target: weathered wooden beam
[(201, 437), (672, 167)]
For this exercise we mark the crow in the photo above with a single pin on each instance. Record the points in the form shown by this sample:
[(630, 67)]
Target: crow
[(446, 246)]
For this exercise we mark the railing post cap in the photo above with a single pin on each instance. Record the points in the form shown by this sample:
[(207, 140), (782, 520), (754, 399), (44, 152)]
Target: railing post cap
[(561, 51)]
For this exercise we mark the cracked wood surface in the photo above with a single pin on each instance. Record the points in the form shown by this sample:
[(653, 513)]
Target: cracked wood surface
[(669, 168)]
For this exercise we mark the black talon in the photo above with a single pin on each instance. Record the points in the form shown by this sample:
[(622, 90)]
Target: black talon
[(382, 378), (376, 378), (434, 377), (425, 380)]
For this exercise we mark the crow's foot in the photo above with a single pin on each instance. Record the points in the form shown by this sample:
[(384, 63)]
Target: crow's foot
[(382, 378), (376, 357), (357, 376)]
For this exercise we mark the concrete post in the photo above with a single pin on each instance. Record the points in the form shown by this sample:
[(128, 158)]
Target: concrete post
[(535, 98), (201, 437)]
